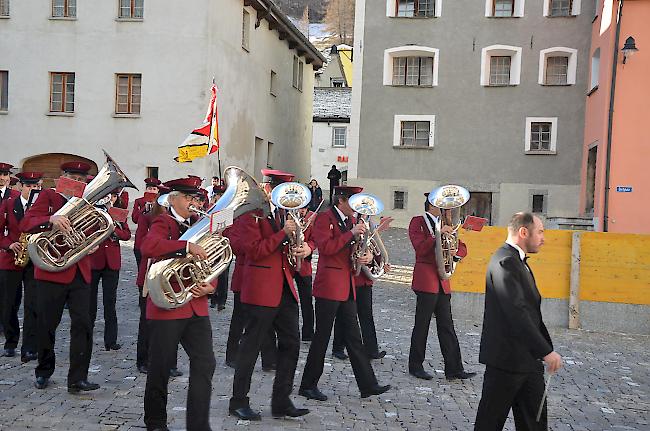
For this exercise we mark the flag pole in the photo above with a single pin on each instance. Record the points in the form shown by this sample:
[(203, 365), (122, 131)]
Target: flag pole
[(213, 119)]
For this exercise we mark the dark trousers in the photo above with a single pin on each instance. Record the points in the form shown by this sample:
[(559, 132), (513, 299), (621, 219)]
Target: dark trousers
[(306, 305), (259, 321), (50, 301), (11, 296), (237, 323), (142, 349), (138, 257), (346, 313), (221, 295), (503, 390), (366, 323), (30, 316), (440, 304), (195, 335), (110, 278)]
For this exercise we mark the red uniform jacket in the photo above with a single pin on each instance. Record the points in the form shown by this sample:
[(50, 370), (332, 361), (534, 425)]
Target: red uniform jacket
[(11, 213), (237, 250), (333, 278), (306, 269), (162, 243), (144, 223), (37, 219), (362, 280), (425, 273), (12, 194), (138, 208), (266, 267), (108, 254), (123, 200)]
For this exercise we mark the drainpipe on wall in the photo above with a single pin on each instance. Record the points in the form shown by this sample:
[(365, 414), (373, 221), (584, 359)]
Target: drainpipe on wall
[(610, 120)]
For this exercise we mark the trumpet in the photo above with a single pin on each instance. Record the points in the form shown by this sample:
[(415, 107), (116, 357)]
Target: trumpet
[(292, 197)]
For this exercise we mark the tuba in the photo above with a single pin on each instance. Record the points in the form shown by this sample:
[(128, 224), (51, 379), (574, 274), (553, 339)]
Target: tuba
[(449, 199), (367, 205), (292, 197), (56, 251), (242, 195)]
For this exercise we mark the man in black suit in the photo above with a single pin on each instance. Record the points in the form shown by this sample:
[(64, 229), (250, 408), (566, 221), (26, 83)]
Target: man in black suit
[(514, 341)]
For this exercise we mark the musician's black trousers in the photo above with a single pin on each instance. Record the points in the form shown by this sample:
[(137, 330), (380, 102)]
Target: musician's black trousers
[(283, 319), (10, 298), (138, 257), (195, 335), (503, 390), (110, 279), (440, 304), (221, 295), (142, 350), (50, 299), (366, 322), (269, 350), (346, 313), (306, 305)]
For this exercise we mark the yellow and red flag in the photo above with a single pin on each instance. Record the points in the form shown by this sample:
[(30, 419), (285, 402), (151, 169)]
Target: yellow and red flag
[(203, 140)]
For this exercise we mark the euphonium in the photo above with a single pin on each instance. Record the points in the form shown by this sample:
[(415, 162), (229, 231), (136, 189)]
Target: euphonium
[(22, 259), (449, 199), (170, 281), (367, 205), (55, 250), (292, 197)]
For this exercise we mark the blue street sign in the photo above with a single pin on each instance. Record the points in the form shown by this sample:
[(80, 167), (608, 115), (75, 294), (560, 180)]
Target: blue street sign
[(624, 189)]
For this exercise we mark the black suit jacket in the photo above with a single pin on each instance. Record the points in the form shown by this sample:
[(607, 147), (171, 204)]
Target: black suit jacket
[(514, 336)]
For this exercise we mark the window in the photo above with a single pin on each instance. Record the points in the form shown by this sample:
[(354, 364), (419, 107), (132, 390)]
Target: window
[(64, 8), (297, 73), (411, 66), (4, 90), (560, 8), (152, 171), (557, 66), (504, 8), (541, 135), (591, 179), (301, 74), (269, 154), (538, 204), (399, 200), (4, 7), (133, 9), (61, 92), (500, 65), (413, 8), (413, 131), (595, 69), (339, 136), (128, 94), (245, 29), (273, 83)]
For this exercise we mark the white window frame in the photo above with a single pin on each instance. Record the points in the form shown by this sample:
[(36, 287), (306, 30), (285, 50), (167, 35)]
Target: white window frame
[(594, 74), (391, 10), (576, 7), (410, 51), (345, 137), (518, 12), (553, 146), (514, 52), (397, 128), (558, 51)]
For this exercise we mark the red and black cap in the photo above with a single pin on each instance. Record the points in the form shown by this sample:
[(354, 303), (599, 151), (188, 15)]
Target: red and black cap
[(276, 176), (163, 189), (5, 168), (347, 191), (77, 167), (189, 185), (152, 182), (29, 177), (203, 194), (221, 188), (13, 181)]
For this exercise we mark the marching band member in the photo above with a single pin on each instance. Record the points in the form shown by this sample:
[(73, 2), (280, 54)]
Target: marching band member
[(270, 302), (189, 324), (334, 290), (13, 277), (427, 284), (105, 265), (5, 182), (140, 205), (304, 279), (56, 288)]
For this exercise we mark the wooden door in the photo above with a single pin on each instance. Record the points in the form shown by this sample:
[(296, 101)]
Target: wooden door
[(50, 166), (479, 205)]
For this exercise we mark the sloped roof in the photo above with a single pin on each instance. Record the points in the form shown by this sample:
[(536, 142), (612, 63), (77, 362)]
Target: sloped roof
[(332, 103)]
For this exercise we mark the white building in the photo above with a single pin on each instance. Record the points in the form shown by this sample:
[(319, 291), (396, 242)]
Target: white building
[(133, 77)]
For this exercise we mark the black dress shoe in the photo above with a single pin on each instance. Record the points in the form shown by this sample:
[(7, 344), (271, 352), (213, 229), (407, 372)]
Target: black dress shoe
[(28, 356), (313, 394), (379, 355), (82, 385), (268, 368), (9, 353), (175, 373), (159, 429), (221, 307), (113, 346), (213, 305), (462, 375), (375, 390), (307, 339), (291, 412), (42, 382), (143, 369), (339, 355), (421, 374), (231, 364), (246, 414)]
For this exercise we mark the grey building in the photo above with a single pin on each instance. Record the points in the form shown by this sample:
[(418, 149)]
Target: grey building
[(487, 94)]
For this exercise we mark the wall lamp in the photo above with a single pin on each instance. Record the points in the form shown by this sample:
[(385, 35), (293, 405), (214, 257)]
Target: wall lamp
[(629, 48)]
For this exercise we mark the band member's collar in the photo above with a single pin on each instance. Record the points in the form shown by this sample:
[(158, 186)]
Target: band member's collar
[(522, 254), (176, 216), (341, 215), (23, 201)]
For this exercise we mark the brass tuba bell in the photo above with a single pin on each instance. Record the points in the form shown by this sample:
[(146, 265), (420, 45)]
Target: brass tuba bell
[(367, 205), (293, 196)]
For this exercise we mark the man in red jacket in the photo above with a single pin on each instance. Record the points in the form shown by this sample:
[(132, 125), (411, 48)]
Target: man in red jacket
[(142, 206), (12, 277), (427, 284), (334, 233), (105, 265), (56, 288), (189, 324), (270, 302), (5, 182)]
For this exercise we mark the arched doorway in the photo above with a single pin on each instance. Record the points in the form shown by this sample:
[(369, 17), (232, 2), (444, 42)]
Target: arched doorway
[(50, 165)]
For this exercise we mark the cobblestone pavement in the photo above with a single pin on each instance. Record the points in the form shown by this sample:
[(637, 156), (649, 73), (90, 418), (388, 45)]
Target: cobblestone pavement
[(604, 385)]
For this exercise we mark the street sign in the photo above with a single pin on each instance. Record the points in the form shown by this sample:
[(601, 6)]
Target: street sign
[(624, 189)]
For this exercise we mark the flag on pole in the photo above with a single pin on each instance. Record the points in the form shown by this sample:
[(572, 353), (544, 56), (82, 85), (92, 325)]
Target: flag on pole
[(203, 140)]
